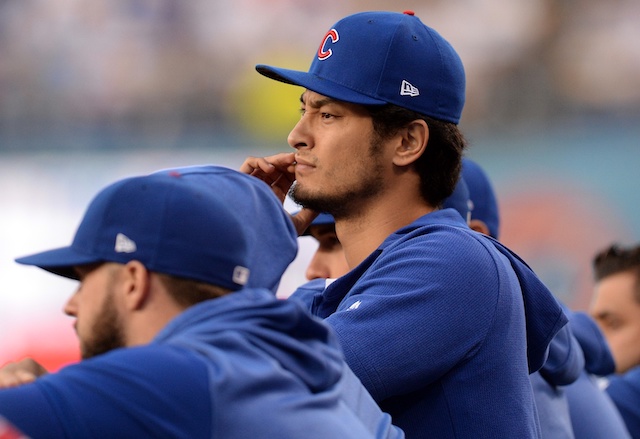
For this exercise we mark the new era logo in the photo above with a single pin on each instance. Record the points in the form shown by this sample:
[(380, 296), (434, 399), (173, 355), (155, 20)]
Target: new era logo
[(124, 244), (407, 89), (240, 275)]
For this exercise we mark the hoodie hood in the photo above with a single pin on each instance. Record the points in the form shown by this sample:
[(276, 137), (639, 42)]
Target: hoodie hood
[(544, 315), (268, 226), (249, 325), (597, 355)]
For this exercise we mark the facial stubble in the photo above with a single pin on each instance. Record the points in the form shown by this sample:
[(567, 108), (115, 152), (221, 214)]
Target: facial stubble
[(341, 202), (107, 332)]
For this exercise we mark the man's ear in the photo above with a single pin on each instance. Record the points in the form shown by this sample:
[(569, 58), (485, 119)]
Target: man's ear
[(413, 142), (479, 226), (135, 285)]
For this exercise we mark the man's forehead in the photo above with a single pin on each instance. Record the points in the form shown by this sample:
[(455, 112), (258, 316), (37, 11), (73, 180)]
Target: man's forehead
[(317, 100)]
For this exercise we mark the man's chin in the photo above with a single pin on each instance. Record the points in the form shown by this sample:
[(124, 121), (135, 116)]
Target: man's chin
[(307, 200)]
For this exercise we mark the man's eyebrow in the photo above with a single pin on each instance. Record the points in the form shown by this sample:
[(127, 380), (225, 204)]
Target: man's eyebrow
[(318, 102), (604, 314)]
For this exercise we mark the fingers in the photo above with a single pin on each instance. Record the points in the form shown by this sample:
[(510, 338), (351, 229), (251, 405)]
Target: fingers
[(277, 171), (303, 219), (21, 372), (268, 168)]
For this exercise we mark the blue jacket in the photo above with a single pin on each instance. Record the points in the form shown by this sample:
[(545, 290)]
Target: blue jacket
[(624, 390), (593, 414), (442, 325), (246, 365), (564, 365)]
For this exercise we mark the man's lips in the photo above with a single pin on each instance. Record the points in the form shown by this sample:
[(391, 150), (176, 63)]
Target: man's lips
[(302, 164)]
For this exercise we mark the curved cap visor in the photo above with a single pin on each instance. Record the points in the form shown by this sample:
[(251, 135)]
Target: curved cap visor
[(317, 84), (59, 261), (322, 219)]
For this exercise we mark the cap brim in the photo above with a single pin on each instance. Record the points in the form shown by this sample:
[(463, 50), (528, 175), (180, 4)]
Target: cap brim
[(59, 261), (317, 84), (322, 219)]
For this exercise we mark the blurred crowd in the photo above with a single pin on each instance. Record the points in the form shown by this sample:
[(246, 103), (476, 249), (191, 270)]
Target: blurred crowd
[(162, 67)]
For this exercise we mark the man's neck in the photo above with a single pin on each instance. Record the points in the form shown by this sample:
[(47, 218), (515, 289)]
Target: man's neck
[(363, 232)]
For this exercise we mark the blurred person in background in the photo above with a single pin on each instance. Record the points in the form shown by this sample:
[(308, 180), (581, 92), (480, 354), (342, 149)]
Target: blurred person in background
[(616, 309), (616, 302), (570, 403), (175, 341)]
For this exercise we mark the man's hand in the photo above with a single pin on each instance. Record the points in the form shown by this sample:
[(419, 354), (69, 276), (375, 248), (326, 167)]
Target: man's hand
[(278, 171), (20, 372)]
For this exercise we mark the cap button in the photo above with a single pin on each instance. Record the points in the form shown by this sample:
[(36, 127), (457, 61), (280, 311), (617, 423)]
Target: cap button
[(409, 12)]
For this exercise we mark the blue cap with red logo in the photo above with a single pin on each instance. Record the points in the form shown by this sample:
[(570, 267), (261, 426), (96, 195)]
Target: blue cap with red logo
[(377, 58)]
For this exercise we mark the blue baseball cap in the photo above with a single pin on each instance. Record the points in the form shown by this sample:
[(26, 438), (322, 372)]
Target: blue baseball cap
[(170, 222), (377, 58), (459, 200), (272, 236), (321, 220), (483, 198)]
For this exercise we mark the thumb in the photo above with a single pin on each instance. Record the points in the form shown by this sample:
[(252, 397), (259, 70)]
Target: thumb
[(303, 219)]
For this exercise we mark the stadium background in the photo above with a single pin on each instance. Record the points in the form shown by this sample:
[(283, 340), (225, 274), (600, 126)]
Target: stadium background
[(94, 91)]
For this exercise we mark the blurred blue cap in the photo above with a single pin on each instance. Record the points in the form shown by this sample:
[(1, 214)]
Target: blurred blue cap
[(459, 199), (482, 195)]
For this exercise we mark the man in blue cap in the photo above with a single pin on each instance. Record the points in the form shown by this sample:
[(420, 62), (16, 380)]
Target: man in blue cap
[(174, 342), (441, 324)]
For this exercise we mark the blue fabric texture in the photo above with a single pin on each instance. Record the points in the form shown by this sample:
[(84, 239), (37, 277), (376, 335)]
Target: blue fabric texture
[(432, 318), (624, 390), (593, 413), (246, 365)]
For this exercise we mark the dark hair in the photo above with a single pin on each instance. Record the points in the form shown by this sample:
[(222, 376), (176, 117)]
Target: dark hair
[(440, 164), (616, 259), (187, 292)]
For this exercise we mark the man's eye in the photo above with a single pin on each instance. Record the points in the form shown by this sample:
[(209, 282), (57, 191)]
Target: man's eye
[(615, 324), (612, 324), (326, 115)]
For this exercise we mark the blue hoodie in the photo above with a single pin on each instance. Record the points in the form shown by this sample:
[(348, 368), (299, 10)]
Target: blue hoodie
[(443, 325), (245, 365), (564, 365), (593, 414), (624, 390)]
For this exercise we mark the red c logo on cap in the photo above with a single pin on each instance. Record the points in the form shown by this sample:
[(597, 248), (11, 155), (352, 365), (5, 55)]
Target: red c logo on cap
[(334, 37)]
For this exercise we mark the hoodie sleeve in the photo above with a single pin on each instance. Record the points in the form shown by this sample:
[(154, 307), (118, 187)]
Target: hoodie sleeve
[(597, 355), (565, 361), (28, 410), (131, 392)]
